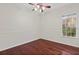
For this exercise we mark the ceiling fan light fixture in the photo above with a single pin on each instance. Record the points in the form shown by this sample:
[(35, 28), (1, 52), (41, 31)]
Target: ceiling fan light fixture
[(39, 7), (43, 8), (35, 9)]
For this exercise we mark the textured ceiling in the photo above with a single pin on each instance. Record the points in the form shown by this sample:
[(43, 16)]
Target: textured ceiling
[(29, 7), (53, 6)]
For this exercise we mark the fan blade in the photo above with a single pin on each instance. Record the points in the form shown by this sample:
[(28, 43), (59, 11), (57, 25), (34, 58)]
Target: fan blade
[(48, 6), (31, 3)]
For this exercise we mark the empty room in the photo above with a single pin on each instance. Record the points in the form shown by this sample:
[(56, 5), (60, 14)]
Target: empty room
[(39, 29)]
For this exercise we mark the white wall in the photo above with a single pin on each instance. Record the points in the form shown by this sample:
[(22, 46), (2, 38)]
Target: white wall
[(17, 25), (52, 23)]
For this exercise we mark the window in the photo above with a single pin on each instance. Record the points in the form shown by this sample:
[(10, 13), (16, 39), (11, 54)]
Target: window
[(69, 25)]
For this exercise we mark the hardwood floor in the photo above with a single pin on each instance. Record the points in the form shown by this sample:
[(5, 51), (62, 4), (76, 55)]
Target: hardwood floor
[(41, 47)]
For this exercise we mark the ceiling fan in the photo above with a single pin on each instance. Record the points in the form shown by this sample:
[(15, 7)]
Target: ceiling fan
[(39, 6)]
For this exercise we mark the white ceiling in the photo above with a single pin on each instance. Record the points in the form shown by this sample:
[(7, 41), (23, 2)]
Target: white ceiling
[(53, 6), (29, 7)]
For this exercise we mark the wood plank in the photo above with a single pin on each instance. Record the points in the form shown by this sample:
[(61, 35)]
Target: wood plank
[(42, 47)]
